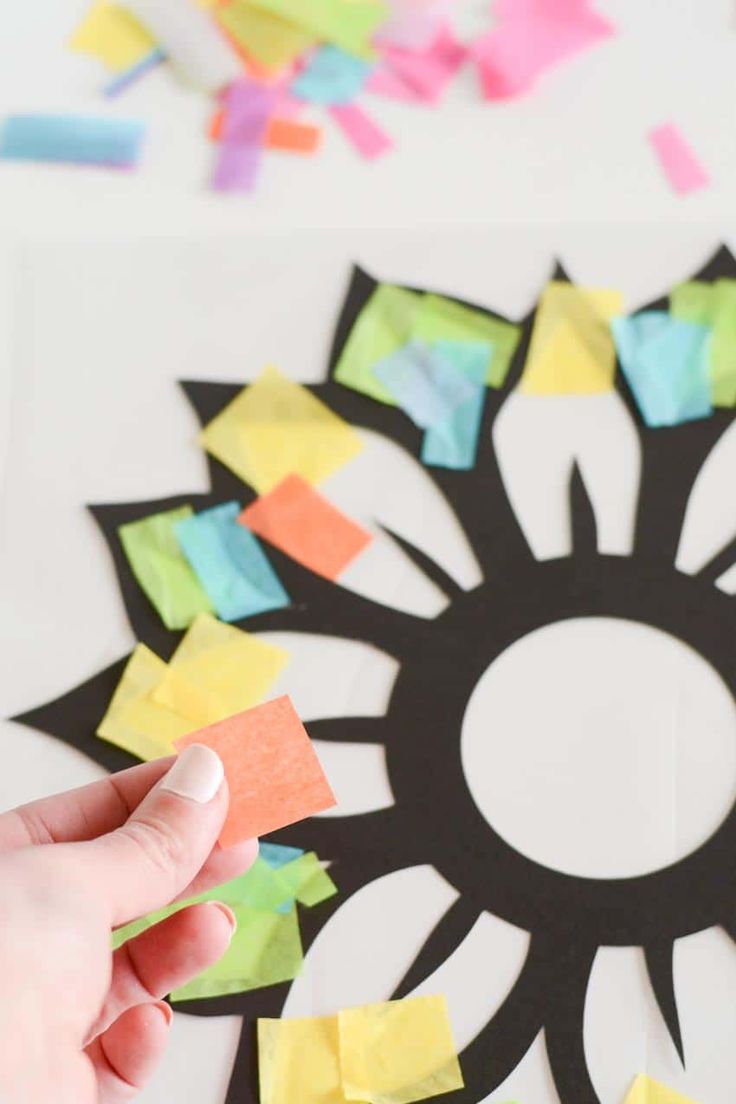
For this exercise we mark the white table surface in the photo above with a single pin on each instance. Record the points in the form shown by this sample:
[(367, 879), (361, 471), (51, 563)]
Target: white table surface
[(112, 287)]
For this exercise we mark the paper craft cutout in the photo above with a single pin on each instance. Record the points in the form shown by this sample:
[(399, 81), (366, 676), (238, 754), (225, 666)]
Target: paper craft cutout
[(647, 1091), (195, 47), (331, 76), (426, 386), (530, 38), (571, 350), (298, 1061), (453, 442), (442, 319), (275, 427), (348, 25), (303, 524), (230, 563), (292, 136), (273, 41), (665, 362), (363, 132), (110, 33), (273, 772), (398, 1051), (382, 327), (248, 107), (161, 570), (677, 159), (134, 721), (218, 670), (427, 72), (74, 139), (713, 305), (130, 76)]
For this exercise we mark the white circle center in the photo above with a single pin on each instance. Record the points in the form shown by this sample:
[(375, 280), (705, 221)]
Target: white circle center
[(601, 747)]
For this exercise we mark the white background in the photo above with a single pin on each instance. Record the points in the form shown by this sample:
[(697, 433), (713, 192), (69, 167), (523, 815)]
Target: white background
[(112, 287)]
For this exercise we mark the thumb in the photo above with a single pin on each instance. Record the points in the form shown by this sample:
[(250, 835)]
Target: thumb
[(143, 865)]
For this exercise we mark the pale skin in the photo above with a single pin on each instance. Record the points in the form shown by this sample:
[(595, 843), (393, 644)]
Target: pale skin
[(80, 1024)]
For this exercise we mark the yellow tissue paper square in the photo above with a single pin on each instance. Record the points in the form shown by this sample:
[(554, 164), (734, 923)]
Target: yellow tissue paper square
[(646, 1091), (572, 350), (276, 427), (398, 1051), (217, 671), (298, 1061), (133, 720), (109, 32)]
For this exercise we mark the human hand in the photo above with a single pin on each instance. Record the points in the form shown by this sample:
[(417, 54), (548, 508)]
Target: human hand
[(80, 1024)]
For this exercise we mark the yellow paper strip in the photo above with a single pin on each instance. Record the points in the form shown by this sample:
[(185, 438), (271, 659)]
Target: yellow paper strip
[(112, 34), (298, 1061)]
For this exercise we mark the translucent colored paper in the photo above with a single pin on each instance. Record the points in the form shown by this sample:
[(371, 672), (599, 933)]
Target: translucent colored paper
[(230, 563), (713, 305), (278, 854), (272, 41), (398, 1051), (218, 670), (572, 350), (426, 386), (665, 362), (160, 568), (303, 524), (130, 76), (73, 139), (197, 50), (275, 427), (427, 72), (349, 25), (383, 326), (110, 33), (331, 76), (453, 442), (646, 1091), (678, 161), (133, 720), (247, 109), (440, 319), (363, 132), (272, 770), (292, 136), (298, 1061)]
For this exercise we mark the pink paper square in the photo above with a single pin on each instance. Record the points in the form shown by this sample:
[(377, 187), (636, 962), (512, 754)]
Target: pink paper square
[(679, 163)]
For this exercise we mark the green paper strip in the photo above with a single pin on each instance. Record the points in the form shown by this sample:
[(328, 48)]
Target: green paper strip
[(350, 26), (162, 571), (713, 305), (441, 319), (308, 881), (382, 327)]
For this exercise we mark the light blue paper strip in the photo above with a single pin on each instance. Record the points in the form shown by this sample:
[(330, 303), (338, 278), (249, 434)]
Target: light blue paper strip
[(426, 385), (130, 76), (76, 139), (230, 563), (665, 363), (453, 442), (331, 77), (278, 854)]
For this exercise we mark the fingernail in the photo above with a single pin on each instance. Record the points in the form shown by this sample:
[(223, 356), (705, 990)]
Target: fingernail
[(227, 913), (166, 1011), (196, 774)]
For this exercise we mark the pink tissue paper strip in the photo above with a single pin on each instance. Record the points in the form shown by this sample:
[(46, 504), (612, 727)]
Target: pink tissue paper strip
[(384, 82), (428, 72), (679, 164), (530, 38), (363, 132)]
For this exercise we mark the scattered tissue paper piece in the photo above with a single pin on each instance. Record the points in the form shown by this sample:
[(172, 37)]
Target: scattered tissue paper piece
[(270, 40), (230, 563), (425, 384), (442, 319), (298, 1060), (382, 327), (361, 130), (529, 39), (162, 571), (130, 76), (72, 139), (292, 136), (297, 519), (247, 109), (349, 25), (331, 76), (665, 363), (713, 305), (571, 350), (272, 770), (191, 40), (647, 1091), (678, 161), (218, 670), (429, 71), (398, 1051), (275, 427), (110, 33), (453, 442)]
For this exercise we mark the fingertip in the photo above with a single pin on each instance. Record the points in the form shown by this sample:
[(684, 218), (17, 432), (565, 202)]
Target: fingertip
[(134, 1043)]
